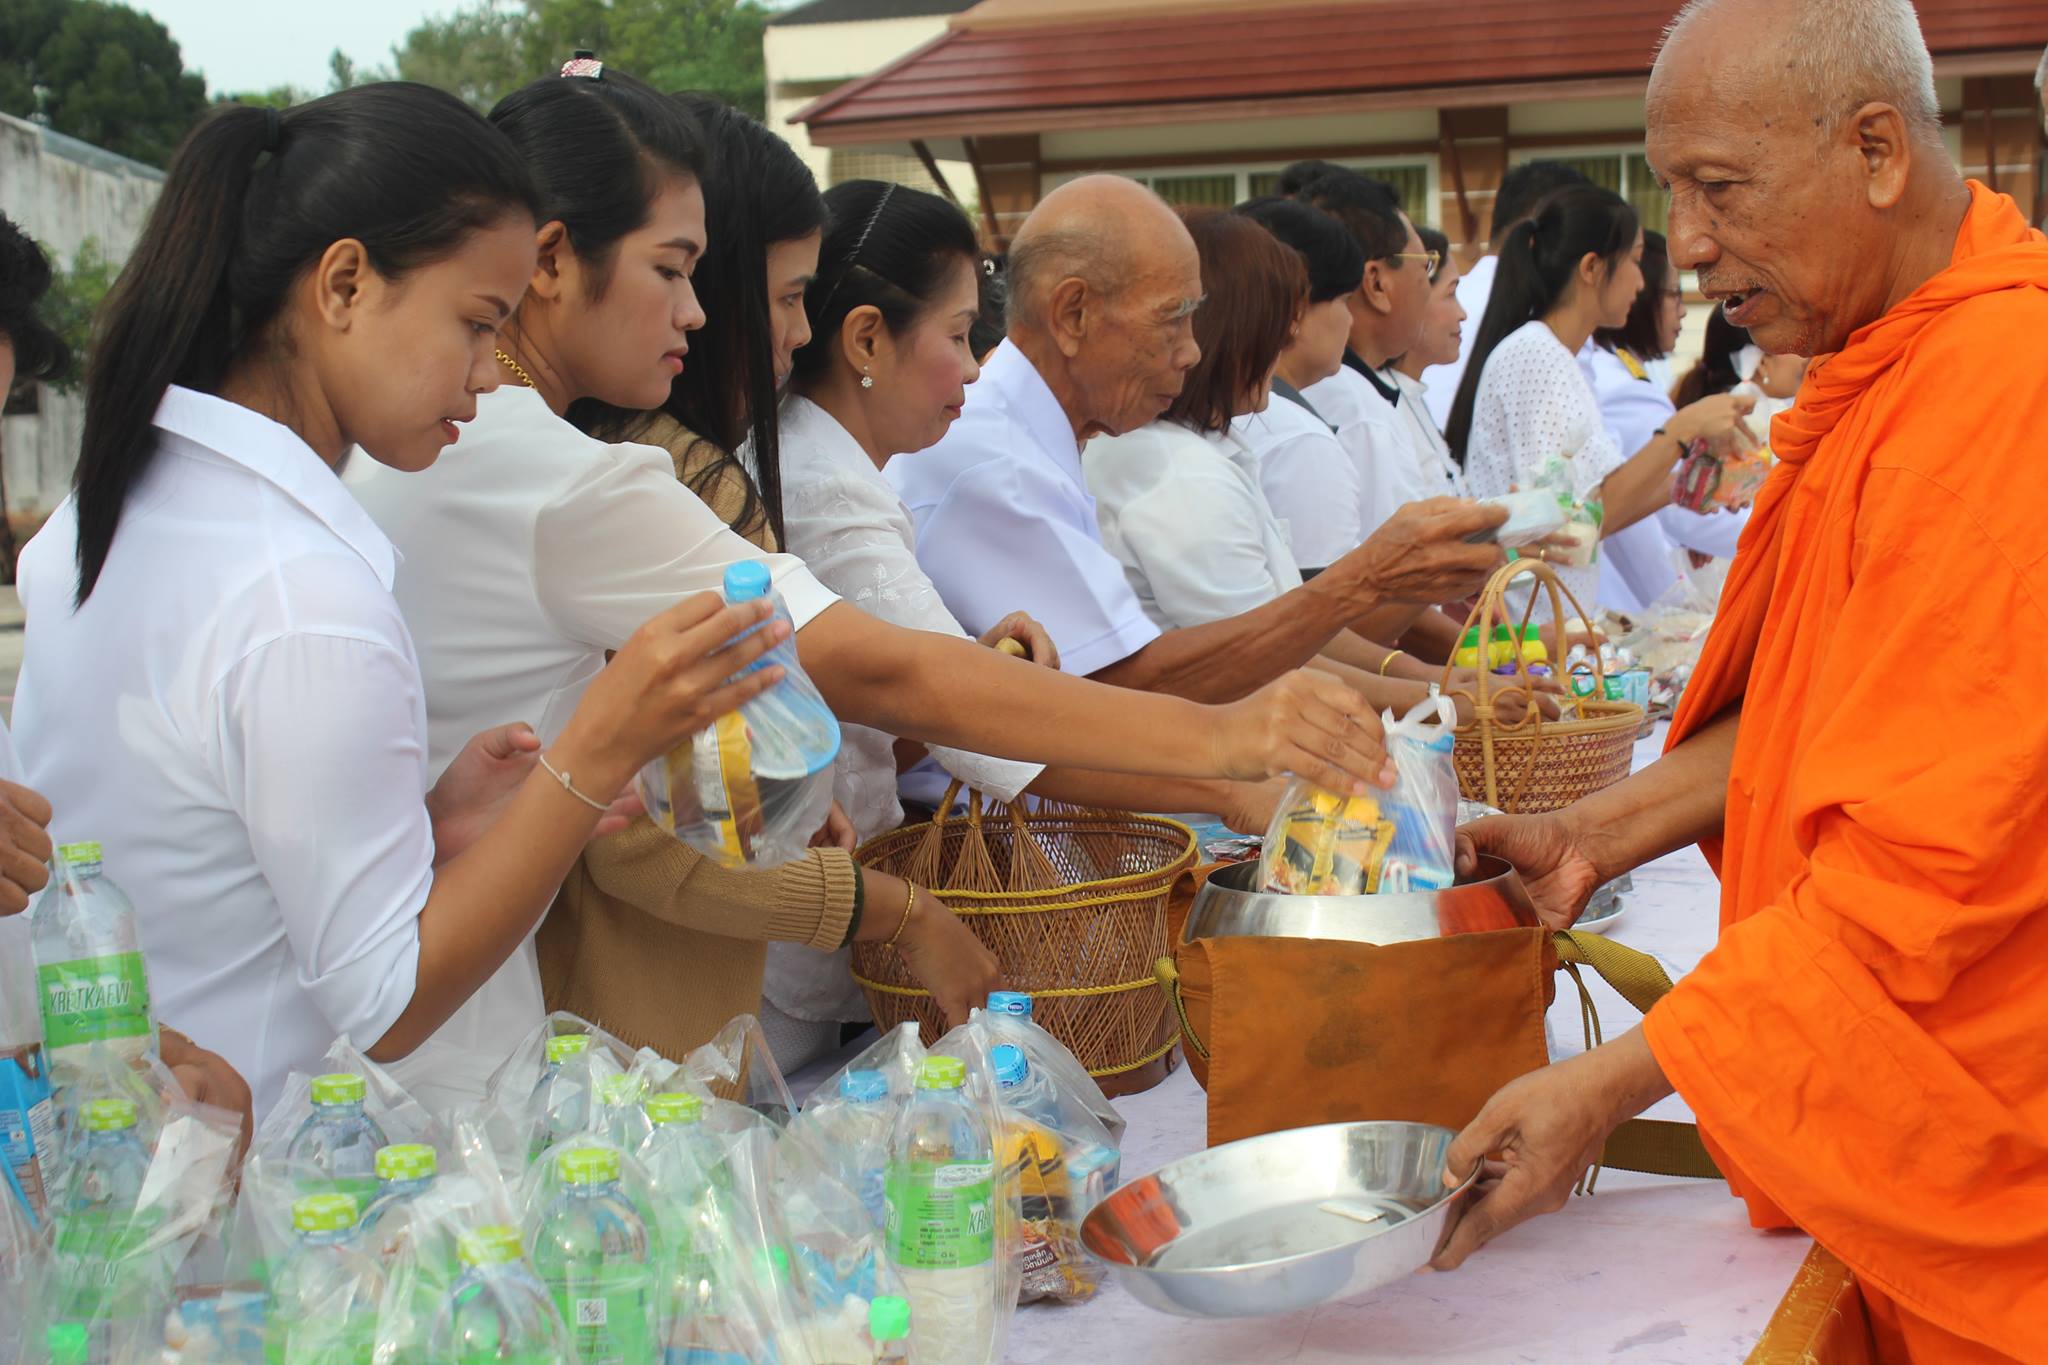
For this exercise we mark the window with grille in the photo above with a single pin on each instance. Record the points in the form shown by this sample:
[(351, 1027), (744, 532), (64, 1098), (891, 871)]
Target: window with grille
[(1628, 174), (1224, 188)]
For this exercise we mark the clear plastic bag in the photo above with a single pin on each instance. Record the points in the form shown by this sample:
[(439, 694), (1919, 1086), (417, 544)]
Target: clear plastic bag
[(1424, 802), (1322, 844), (756, 786)]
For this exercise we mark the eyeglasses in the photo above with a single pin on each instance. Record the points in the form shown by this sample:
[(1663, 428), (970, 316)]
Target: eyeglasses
[(1432, 259)]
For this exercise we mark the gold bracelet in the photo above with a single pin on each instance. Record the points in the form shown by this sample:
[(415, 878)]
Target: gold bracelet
[(909, 904), (1388, 661), (563, 778)]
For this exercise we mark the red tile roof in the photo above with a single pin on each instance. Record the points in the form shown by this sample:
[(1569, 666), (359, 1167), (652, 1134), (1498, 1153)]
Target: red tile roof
[(1006, 77)]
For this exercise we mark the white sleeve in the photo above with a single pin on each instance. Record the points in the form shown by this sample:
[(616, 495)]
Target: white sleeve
[(855, 536), (1710, 533), (1386, 464), (1313, 486), (992, 547), (10, 764), (1198, 546), (322, 751), (629, 541)]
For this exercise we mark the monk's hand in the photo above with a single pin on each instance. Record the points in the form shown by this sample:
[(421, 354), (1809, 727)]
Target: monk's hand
[(1424, 554), (1556, 861), (1539, 1134)]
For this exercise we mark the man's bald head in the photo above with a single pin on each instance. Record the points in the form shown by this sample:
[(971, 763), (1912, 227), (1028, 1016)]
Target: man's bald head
[(1820, 60), (1104, 282)]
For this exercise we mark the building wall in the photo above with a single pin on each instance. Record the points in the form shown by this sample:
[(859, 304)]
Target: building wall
[(62, 192)]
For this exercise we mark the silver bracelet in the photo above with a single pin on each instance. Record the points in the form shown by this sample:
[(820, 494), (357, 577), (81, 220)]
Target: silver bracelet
[(563, 778)]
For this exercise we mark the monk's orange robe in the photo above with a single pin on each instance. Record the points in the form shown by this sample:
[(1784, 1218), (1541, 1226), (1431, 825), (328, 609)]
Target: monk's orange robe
[(1867, 1045)]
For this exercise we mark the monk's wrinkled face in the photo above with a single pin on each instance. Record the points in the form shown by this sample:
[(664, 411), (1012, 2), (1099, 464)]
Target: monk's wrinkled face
[(1132, 368), (1775, 216)]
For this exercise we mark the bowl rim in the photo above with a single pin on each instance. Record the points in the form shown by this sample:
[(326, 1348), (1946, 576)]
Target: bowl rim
[(1450, 1192)]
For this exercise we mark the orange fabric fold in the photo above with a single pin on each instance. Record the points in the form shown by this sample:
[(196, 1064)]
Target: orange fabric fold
[(1867, 1045)]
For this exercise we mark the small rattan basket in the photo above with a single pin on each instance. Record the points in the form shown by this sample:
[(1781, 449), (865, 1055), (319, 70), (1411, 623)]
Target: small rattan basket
[(1530, 764), (1073, 903)]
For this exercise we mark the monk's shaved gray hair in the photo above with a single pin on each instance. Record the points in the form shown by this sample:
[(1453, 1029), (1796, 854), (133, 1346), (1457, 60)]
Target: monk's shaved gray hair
[(1040, 259), (1845, 54)]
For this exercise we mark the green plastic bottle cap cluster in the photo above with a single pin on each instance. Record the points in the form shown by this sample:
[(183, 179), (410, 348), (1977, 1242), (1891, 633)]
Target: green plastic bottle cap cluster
[(563, 1046), (109, 1116), (680, 1107), (406, 1161), (324, 1213), (941, 1073), (341, 1088)]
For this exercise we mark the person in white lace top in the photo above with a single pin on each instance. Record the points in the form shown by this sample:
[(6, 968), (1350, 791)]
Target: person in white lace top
[(1524, 404)]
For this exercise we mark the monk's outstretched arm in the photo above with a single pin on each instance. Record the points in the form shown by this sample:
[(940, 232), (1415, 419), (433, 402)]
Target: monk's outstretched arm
[(1678, 800)]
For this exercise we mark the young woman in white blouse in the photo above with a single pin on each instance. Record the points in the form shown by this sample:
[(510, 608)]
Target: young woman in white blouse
[(219, 687), (1575, 267), (1443, 332), (569, 535)]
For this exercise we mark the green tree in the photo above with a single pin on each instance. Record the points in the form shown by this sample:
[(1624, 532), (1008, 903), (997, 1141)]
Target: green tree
[(97, 71), (76, 293), (478, 53)]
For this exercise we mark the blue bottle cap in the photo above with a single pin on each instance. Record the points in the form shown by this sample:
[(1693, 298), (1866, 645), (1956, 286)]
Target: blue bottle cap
[(1010, 1002), (747, 581), (864, 1087), (1010, 1066)]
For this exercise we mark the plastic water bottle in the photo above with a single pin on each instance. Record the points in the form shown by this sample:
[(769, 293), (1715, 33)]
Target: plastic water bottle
[(102, 1232), (941, 1216), (752, 789), (619, 1115), (852, 1132), (324, 1298), (889, 1329), (1015, 1004), (561, 1105), (498, 1313), (392, 1228), (1022, 1089), (90, 976), (592, 1251), (339, 1139)]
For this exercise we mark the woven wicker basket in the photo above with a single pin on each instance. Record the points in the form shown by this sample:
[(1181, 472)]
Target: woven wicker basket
[(1530, 765), (1072, 903)]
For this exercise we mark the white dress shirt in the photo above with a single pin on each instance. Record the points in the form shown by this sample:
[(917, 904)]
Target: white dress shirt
[(1475, 288), (851, 530), (1375, 434), (1534, 403), (236, 715), (530, 550), (1438, 474), (1184, 514), (1004, 521), (1310, 480)]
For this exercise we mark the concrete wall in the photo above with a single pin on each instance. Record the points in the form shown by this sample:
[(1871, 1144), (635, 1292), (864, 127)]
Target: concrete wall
[(62, 192)]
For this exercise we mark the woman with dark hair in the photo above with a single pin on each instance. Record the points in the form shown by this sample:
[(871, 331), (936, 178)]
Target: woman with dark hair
[(1525, 417), (219, 686), (1443, 334), (570, 537)]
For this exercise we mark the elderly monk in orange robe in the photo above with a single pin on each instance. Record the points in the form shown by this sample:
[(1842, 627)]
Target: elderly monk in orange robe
[(1862, 752)]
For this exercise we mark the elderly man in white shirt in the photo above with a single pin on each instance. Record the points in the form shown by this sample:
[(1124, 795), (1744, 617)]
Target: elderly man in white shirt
[(1522, 191), (1104, 284)]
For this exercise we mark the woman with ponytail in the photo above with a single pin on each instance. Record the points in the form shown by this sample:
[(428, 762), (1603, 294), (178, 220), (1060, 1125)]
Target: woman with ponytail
[(1524, 401), (219, 688), (568, 537)]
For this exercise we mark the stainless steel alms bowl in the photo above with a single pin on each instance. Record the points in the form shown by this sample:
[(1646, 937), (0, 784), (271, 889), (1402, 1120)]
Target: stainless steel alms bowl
[(1230, 903), (1240, 1230)]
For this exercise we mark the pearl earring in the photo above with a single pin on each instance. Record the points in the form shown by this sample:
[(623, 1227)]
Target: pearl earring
[(867, 381)]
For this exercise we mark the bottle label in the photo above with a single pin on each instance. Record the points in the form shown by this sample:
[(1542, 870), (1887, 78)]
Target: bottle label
[(606, 1310), (103, 1263), (941, 1215), (94, 1000)]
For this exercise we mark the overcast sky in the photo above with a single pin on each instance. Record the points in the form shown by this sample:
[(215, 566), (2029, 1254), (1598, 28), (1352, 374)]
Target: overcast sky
[(255, 44)]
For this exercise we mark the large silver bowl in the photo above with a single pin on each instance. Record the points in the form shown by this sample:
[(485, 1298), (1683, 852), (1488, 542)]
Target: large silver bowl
[(1238, 1231), (1230, 903)]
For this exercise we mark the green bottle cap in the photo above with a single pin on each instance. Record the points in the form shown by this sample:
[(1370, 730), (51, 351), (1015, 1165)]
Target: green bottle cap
[(324, 1213), (69, 1343), (84, 852), (1501, 633), (406, 1161), (341, 1088), (681, 1107), (621, 1089), (1470, 639), (563, 1046), (588, 1166), (889, 1319), (494, 1245), (1532, 635), (109, 1116), (941, 1073)]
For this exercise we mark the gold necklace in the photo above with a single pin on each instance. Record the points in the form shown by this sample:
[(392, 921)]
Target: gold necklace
[(518, 371)]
